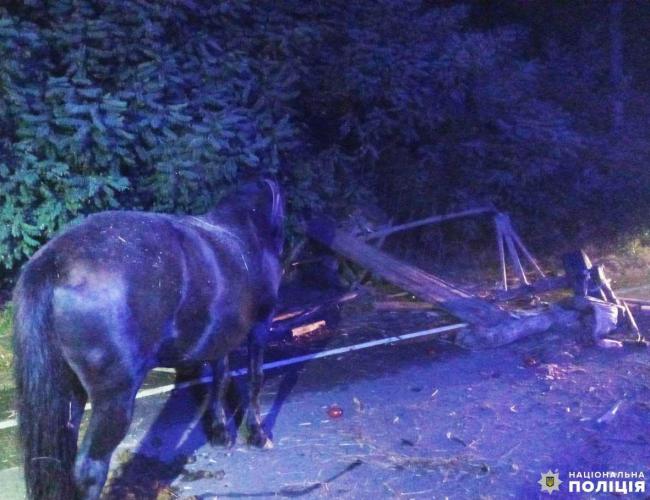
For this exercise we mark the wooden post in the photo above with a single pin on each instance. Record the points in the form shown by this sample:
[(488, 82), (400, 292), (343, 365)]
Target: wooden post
[(502, 255), (528, 255), (503, 222), (516, 262)]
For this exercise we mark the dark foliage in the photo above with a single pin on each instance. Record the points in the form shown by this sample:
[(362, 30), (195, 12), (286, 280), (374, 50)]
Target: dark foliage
[(419, 107)]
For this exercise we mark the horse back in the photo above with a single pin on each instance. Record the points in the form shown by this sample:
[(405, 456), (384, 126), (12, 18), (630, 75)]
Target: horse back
[(134, 290), (224, 289)]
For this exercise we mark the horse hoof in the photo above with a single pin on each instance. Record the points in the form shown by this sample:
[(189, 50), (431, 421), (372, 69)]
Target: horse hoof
[(260, 440), (219, 436), (268, 445), (223, 441)]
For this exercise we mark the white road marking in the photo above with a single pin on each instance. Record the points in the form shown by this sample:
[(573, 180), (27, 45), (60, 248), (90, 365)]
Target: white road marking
[(6, 424)]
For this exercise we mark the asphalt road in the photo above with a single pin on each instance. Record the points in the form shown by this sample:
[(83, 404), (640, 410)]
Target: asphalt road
[(419, 420)]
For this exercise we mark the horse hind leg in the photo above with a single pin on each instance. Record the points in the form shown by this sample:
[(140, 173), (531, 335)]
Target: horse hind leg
[(109, 422), (256, 343), (218, 432)]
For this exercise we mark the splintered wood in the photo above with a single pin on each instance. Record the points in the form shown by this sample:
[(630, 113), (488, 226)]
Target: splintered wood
[(489, 325), (303, 330), (288, 315), (423, 285)]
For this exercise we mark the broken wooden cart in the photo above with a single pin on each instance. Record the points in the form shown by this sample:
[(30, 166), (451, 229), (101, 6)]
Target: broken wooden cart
[(489, 323)]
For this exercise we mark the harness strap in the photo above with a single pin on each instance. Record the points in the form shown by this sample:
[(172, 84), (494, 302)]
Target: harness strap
[(213, 228)]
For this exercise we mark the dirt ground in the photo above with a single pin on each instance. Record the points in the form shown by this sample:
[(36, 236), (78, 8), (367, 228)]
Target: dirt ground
[(419, 420)]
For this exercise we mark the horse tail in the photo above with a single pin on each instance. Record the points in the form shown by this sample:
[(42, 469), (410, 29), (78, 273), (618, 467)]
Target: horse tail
[(46, 387)]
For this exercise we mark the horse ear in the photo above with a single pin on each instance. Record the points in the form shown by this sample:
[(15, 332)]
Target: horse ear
[(266, 179)]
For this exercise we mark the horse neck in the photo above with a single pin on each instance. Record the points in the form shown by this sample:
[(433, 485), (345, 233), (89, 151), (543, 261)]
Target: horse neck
[(239, 220)]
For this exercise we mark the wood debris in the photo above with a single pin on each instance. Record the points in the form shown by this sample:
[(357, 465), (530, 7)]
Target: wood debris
[(489, 324), (300, 331)]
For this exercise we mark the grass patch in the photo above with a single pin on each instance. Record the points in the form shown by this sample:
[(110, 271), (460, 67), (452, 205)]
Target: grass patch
[(6, 319), (6, 354), (9, 450), (9, 453)]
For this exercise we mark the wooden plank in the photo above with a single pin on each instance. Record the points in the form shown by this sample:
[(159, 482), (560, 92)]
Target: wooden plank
[(503, 223), (299, 331), (423, 285), (423, 222), (514, 329), (635, 301)]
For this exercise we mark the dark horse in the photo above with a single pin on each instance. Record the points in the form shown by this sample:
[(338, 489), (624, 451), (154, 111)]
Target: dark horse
[(123, 292)]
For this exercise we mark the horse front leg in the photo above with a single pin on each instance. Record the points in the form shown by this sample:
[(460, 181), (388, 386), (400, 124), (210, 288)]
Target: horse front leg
[(109, 423), (218, 432), (256, 343)]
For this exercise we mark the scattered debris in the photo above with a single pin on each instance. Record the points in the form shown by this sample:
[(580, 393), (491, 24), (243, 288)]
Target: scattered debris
[(288, 315), (609, 415), (530, 361), (287, 321), (484, 442), (489, 324), (455, 439)]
